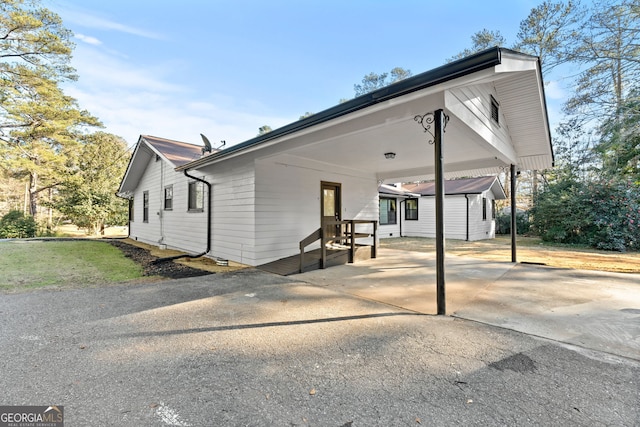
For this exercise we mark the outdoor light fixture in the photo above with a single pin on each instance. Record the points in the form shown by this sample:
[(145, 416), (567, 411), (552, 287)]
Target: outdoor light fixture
[(389, 155)]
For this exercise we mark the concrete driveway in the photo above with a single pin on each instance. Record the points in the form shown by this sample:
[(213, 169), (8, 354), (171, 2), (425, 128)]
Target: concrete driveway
[(254, 349), (593, 310)]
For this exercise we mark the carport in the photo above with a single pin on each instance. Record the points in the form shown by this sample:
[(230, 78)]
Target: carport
[(484, 114)]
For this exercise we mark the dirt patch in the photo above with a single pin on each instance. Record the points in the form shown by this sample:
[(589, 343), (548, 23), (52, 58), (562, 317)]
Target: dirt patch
[(168, 269), (529, 249)]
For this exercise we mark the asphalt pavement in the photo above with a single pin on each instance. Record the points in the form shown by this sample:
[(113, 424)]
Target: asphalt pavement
[(250, 348)]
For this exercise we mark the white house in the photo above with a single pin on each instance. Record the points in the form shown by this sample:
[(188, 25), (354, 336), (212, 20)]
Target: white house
[(269, 193), (469, 208), (166, 208)]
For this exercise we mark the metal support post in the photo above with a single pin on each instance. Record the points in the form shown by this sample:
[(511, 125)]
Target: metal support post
[(514, 227)]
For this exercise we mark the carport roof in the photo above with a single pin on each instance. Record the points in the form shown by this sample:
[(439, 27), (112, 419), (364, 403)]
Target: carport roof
[(355, 134)]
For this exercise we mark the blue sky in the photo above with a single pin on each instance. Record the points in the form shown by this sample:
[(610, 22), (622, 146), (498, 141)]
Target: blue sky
[(225, 68)]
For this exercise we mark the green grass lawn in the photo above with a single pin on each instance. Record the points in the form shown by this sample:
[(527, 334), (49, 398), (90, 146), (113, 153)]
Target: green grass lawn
[(28, 264)]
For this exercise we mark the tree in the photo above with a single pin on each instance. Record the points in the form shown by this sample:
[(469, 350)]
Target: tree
[(547, 32), (45, 137), (574, 150), (88, 195), (305, 115), (30, 34), (480, 41), (264, 129), (604, 214), (38, 123), (373, 81), (609, 48), (619, 147), (16, 225), (34, 46)]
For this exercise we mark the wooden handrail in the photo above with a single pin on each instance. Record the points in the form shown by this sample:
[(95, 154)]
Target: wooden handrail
[(313, 237), (316, 235), (349, 236)]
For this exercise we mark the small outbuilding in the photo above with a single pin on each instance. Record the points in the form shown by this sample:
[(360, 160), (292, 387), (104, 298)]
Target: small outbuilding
[(469, 209)]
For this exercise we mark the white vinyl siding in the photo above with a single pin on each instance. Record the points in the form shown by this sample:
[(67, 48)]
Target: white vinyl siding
[(479, 228), (455, 214), (149, 231), (174, 228), (455, 218), (288, 203), (472, 104), (233, 219)]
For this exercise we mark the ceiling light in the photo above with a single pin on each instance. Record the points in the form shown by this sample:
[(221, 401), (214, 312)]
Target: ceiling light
[(389, 155)]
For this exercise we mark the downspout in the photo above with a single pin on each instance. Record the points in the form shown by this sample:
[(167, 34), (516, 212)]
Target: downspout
[(159, 260), (401, 202), (466, 196), (161, 210)]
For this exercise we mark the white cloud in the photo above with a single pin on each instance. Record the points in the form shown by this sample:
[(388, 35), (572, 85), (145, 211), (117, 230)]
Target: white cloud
[(99, 69), (130, 113), (88, 39), (139, 99), (553, 90), (88, 20)]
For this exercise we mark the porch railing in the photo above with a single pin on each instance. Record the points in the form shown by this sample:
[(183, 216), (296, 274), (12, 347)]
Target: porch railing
[(345, 233)]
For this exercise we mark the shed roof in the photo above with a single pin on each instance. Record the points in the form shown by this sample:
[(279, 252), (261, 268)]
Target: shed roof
[(392, 190), (460, 186)]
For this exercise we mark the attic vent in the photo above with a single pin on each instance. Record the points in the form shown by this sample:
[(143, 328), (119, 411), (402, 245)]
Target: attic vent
[(495, 110), (157, 158)]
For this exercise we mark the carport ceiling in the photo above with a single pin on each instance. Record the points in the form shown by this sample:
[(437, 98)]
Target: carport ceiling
[(360, 144)]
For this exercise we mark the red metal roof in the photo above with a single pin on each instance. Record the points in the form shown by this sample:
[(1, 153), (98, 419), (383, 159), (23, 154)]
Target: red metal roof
[(177, 152), (454, 186)]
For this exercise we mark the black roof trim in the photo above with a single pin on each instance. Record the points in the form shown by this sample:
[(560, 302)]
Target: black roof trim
[(468, 65)]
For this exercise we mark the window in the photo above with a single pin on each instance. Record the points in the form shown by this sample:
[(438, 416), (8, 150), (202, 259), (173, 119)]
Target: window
[(387, 211), (196, 196), (484, 208), (168, 197), (495, 110), (145, 206), (411, 209), (493, 209)]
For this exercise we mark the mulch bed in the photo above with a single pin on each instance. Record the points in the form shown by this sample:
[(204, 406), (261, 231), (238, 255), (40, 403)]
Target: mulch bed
[(168, 269)]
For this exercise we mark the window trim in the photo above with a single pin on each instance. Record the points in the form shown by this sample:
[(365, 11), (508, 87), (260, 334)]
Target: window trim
[(395, 211), (168, 206), (145, 206), (407, 210), (190, 201)]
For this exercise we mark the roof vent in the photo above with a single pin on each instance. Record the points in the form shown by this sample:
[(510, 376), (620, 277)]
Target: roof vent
[(495, 110)]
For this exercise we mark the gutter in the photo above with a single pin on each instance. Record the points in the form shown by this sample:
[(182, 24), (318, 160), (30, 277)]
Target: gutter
[(480, 61), (208, 184)]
